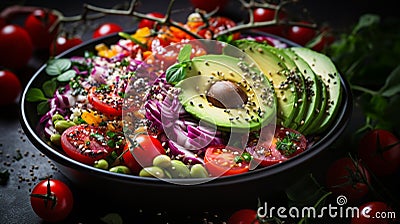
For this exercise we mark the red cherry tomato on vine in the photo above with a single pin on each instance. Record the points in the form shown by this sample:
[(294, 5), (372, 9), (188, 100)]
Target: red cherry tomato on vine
[(301, 35), (349, 178), (52, 200), (39, 24), (244, 216), (149, 23), (106, 29), (63, 43), (263, 15), (374, 212), (16, 47), (380, 151), (209, 5), (87, 144), (10, 87), (142, 153)]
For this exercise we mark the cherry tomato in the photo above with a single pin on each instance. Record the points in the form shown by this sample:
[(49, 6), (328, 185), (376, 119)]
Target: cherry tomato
[(221, 23), (10, 87), (222, 161), (263, 15), (63, 43), (209, 5), (301, 35), (16, 47), (86, 143), (244, 216), (52, 200), (374, 212), (3, 22), (106, 101), (106, 29), (142, 152), (286, 143), (344, 177), (321, 41), (149, 23), (380, 151), (39, 24)]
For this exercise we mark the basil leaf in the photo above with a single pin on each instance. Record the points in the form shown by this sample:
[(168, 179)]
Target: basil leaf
[(66, 76), (49, 87), (175, 73), (43, 107), (392, 85), (58, 66), (184, 54), (35, 95)]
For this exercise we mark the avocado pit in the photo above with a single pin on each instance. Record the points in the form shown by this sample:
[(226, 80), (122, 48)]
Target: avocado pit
[(226, 94)]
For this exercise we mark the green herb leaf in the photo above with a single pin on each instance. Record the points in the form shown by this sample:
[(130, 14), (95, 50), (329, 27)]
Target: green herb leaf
[(184, 54), (366, 21), (175, 73), (43, 107), (35, 95), (66, 76), (49, 87), (392, 85), (58, 66)]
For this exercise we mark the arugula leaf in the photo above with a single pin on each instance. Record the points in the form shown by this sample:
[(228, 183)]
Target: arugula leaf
[(58, 66), (35, 95), (184, 54), (175, 73)]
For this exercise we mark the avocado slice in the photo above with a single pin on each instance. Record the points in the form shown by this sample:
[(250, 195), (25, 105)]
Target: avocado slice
[(278, 74), (299, 83), (206, 71), (312, 91), (328, 74)]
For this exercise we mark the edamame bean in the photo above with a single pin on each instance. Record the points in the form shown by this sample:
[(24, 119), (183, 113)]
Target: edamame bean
[(120, 169), (162, 161), (198, 171), (101, 164), (55, 139), (57, 117), (152, 171), (63, 125), (179, 169)]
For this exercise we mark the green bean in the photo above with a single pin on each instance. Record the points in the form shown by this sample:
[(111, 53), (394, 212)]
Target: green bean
[(120, 169), (198, 171), (179, 169), (101, 164), (55, 139), (152, 171), (63, 125), (57, 117), (162, 161)]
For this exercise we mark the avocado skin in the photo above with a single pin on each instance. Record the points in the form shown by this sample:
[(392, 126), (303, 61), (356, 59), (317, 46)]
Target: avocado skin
[(203, 72)]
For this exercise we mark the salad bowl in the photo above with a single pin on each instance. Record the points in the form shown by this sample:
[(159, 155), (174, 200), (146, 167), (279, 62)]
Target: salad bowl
[(225, 191)]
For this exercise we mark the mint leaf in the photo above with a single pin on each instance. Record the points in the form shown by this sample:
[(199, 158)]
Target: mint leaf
[(175, 73), (49, 87), (58, 66), (35, 95), (392, 85), (43, 107), (184, 54), (66, 76)]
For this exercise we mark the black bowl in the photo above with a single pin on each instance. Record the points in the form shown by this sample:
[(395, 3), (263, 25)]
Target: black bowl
[(229, 191)]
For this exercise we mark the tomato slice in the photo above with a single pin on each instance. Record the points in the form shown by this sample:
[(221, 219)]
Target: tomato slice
[(105, 100), (285, 144), (221, 160), (87, 143)]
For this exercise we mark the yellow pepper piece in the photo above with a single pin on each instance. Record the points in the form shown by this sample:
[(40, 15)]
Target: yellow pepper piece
[(93, 118), (142, 35)]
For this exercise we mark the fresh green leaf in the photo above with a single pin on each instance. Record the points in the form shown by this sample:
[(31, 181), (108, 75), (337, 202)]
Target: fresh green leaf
[(66, 76), (366, 20), (58, 66), (43, 107), (175, 73), (392, 85), (112, 218), (35, 95), (49, 87), (184, 54)]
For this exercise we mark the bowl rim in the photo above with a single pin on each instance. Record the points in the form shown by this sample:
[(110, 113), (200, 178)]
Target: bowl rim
[(342, 118)]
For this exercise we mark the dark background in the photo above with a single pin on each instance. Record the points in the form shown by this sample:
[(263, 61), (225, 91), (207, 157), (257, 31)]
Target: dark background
[(24, 172)]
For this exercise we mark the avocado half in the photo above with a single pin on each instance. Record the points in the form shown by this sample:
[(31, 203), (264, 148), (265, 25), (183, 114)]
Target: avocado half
[(257, 101)]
